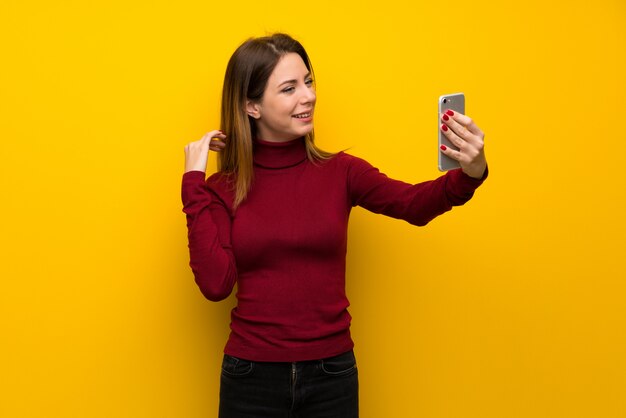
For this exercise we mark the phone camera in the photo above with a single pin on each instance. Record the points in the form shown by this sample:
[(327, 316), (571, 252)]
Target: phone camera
[(445, 100)]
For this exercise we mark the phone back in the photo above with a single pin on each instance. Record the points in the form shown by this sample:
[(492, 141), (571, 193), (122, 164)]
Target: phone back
[(456, 102)]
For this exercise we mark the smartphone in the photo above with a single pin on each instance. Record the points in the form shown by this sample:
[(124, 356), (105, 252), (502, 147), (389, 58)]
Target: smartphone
[(456, 102)]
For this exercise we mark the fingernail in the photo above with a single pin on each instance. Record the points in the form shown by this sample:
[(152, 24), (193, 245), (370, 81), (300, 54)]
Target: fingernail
[(449, 112), (445, 128), (443, 148), (445, 117)]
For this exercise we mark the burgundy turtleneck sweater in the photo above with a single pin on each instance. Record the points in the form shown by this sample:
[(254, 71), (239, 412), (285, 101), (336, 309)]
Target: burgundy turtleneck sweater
[(285, 246)]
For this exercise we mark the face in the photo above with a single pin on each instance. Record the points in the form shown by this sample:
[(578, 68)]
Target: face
[(286, 110)]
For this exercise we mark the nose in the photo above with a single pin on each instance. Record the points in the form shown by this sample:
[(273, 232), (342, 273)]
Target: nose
[(308, 96)]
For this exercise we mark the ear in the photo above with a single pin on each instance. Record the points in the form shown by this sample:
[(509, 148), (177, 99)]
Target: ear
[(253, 109)]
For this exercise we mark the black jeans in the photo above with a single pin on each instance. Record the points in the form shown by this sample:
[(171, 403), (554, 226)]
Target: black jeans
[(326, 388)]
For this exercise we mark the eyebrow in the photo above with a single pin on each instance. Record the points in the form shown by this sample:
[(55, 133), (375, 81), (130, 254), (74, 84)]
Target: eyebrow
[(294, 80)]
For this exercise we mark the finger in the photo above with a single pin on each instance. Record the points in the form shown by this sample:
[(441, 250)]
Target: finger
[(461, 132), (210, 139), (470, 125), (213, 133), (452, 137), (206, 139), (456, 127), (466, 122), (455, 155), (219, 140)]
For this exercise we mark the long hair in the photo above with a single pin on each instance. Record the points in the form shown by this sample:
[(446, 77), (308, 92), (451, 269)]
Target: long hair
[(246, 77)]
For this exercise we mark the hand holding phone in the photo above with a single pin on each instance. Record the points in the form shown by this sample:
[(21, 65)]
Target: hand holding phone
[(461, 142)]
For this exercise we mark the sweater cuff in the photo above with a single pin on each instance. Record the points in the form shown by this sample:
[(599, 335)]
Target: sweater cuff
[(194, 176), (193, 188), (461, 186), (466, 181)]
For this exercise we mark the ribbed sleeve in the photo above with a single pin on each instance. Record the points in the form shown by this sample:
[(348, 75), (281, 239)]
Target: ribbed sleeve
[(208, 229), (417, 204)]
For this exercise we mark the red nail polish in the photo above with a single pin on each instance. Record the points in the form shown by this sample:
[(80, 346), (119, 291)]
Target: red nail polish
[(449, 112), (445, 128), (443, 147), (445, 117)]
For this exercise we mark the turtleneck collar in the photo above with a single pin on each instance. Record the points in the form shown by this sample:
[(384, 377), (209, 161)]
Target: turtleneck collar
[(279, 154)]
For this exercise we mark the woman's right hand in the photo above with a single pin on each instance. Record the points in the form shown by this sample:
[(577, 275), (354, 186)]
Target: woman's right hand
[(197, 152)]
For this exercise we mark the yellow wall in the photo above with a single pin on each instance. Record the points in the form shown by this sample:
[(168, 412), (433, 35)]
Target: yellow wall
[(511, 306)]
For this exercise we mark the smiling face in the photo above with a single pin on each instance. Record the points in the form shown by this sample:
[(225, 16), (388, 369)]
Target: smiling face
[(285, 111)]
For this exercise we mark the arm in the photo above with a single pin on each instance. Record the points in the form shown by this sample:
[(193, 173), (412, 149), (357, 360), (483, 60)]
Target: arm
[(210, 252), (211, 256), (417, 204)]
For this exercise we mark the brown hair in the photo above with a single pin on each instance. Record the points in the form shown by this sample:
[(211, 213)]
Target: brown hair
[(246, 77)]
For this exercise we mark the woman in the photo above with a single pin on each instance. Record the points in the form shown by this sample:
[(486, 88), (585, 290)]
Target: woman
[(274, 218)]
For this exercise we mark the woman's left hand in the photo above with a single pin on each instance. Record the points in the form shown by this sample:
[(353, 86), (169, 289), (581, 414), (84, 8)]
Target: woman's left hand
[(469, 139)]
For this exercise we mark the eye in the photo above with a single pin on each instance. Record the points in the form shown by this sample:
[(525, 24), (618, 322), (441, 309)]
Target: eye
[(291, 89)]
